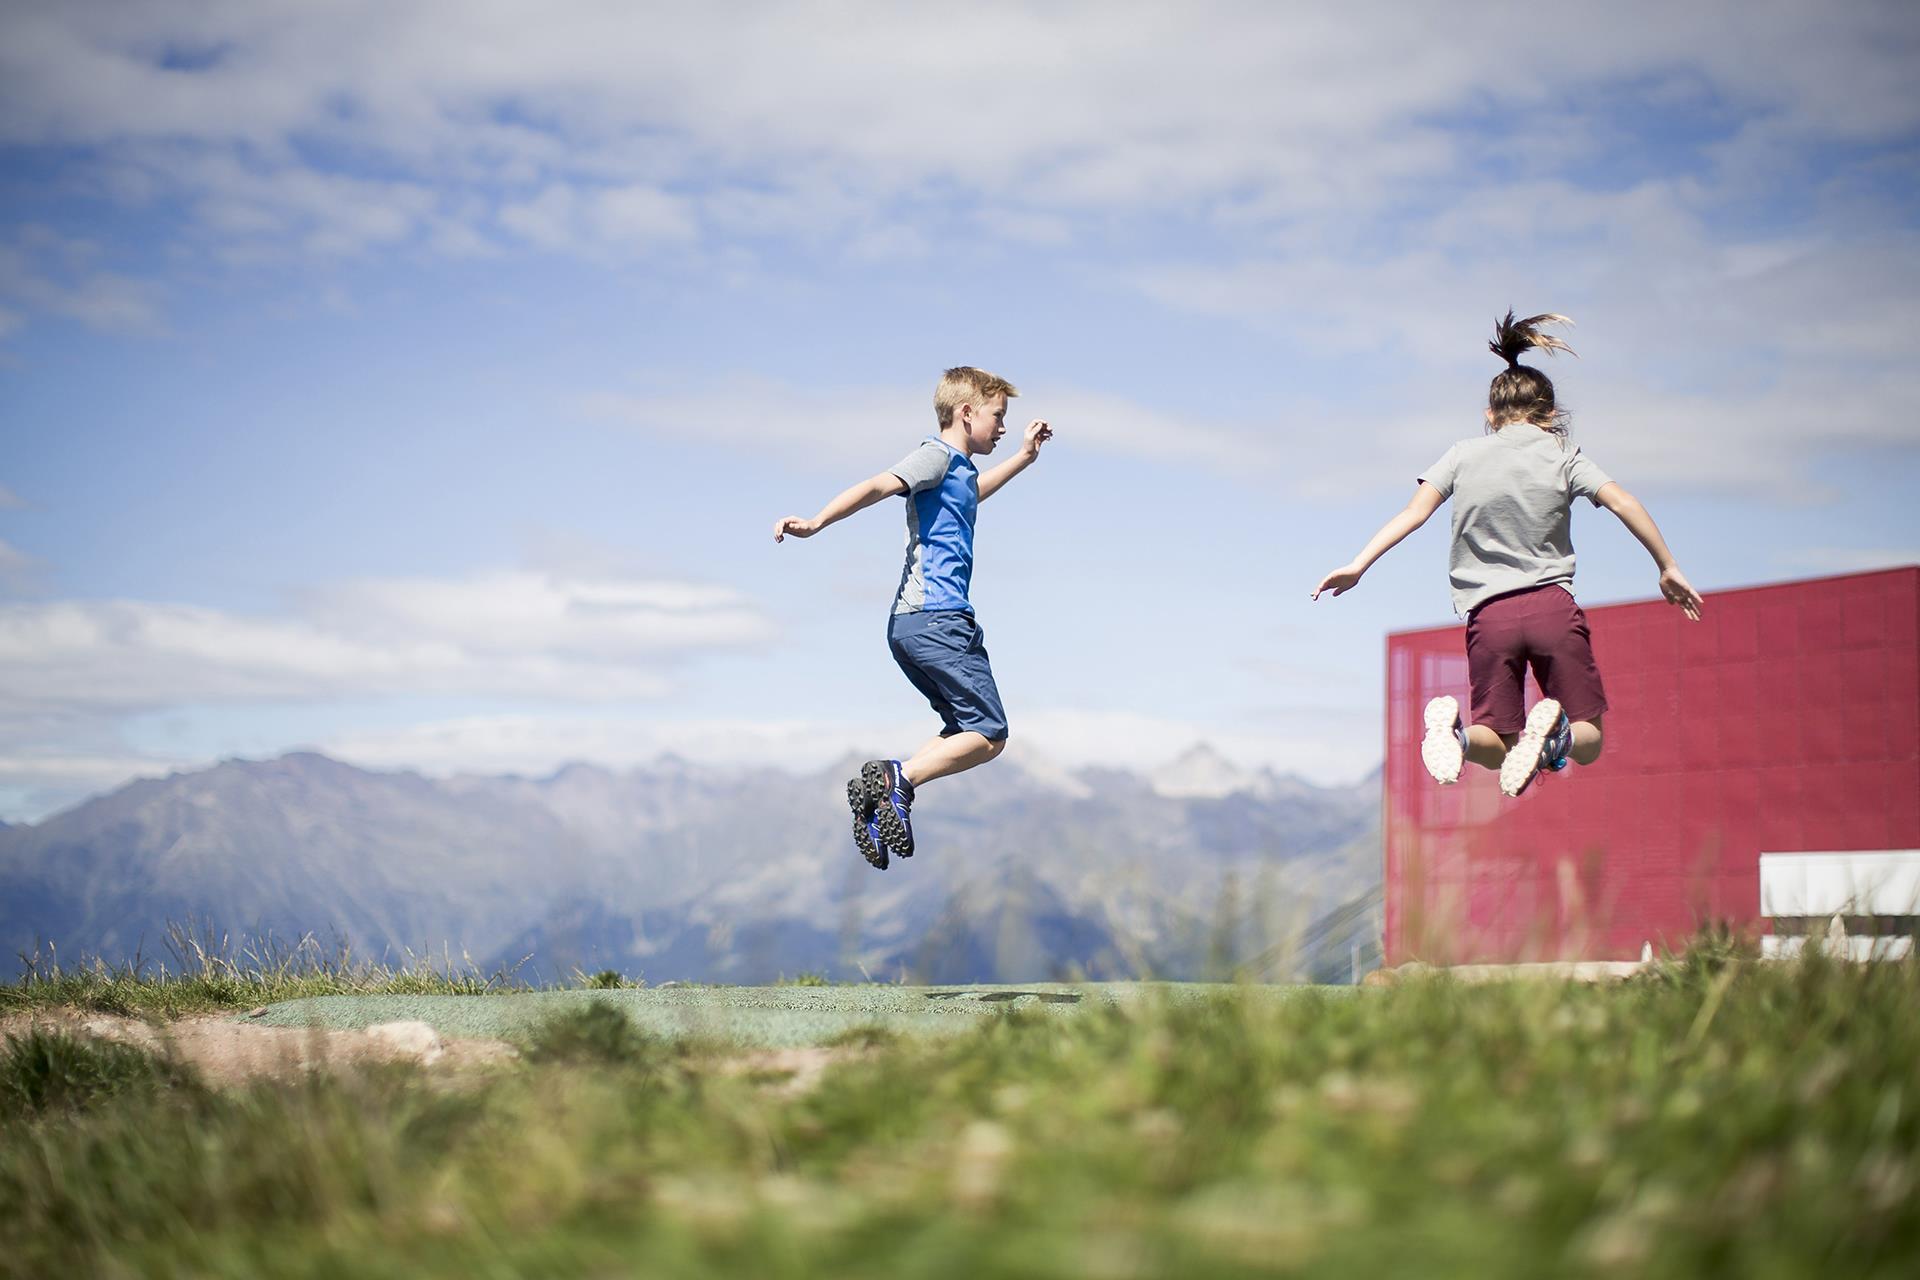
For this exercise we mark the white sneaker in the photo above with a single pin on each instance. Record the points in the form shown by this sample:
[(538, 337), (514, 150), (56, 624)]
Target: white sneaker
[(1444, 749), (1522, 764)]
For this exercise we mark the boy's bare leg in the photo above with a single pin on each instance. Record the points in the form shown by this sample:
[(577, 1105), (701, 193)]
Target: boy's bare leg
[(1487, 748), (1587, 741), (956, 754)]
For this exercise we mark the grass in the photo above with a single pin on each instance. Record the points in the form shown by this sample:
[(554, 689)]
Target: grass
[(212, 973), (44, 1072), (1718, 1116)]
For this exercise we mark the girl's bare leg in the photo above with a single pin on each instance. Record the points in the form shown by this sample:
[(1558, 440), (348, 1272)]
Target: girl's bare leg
[(1487, 748), (1587, 741)]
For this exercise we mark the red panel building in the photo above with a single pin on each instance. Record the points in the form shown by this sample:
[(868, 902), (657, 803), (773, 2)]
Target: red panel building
[(1787, 719)]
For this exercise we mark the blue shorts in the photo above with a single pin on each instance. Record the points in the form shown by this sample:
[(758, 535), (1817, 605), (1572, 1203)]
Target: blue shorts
[(944, 653)]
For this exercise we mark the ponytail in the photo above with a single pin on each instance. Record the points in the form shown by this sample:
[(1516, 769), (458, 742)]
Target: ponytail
[(1512, 337), (1520, 393)]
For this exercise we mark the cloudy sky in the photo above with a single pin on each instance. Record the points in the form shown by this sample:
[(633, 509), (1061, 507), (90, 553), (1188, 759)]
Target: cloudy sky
[(420, 382)]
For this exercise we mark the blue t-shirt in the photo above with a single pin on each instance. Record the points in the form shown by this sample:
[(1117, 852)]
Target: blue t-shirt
[(943, 492)]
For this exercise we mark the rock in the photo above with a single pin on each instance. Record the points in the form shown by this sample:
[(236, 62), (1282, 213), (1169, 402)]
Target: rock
[(1400, 973), (125, 1030), (416, 1040)]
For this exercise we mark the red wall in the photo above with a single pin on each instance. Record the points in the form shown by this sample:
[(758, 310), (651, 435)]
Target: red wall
[(1786, 720)]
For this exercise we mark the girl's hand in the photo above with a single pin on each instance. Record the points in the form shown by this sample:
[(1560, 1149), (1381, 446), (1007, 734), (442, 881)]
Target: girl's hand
[(794, 525), (1679, 592), (1340, 581)]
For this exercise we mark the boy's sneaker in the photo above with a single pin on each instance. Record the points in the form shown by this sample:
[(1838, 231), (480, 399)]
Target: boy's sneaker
[(866, 827), (1444, 748), (1529, 755), (891, 796)]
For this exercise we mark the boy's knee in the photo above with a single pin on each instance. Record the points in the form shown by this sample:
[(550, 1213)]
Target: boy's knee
[(995, 746)]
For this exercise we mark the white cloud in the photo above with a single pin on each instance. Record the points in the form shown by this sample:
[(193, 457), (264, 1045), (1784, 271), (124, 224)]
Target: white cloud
[(79, 760), (518, 612), (14, 563), (642, 215), (1320, 746), (515, 634), (1708, 361), (52, 759), (860, 423), (630, 217), (1243, 109), (322, 212), (45, 780), (1058, 738), (1707, 439), (532, 744), (85, 773), (44, 271)]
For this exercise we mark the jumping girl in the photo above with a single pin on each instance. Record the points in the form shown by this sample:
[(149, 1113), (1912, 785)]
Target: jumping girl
[(1512, 575)]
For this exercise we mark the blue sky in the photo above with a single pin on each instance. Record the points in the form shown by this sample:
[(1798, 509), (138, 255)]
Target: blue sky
[(420, 382)]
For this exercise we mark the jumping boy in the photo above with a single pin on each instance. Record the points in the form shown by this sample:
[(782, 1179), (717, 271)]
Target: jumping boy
[(932, 631), (1512, 575)]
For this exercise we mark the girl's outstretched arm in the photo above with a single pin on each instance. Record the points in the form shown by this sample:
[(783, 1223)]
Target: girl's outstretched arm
[(1425, 501), (1673, 583)]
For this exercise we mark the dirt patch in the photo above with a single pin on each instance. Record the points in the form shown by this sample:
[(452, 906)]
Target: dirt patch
[(226, 1052), (789, 1073), (1547, 971)]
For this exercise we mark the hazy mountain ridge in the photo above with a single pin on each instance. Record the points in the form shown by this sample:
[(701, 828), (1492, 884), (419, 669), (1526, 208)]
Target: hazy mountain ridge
[(686, 871)]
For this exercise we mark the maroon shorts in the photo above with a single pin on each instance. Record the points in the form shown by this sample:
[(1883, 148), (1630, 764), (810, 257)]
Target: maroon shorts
[(1540, 627)]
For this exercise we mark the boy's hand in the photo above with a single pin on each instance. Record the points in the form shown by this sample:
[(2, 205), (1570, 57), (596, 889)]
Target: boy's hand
[(1678, 591), (794, 525), (1340, 581), (1038, 433)]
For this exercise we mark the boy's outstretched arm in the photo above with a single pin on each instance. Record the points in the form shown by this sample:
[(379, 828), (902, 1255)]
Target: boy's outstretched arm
[(1038, 433), (1425, 501), (1673, 583), (857, 498)]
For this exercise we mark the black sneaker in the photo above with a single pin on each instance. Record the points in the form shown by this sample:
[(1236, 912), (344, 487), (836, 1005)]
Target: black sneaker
[(866, 829), (891, 796)]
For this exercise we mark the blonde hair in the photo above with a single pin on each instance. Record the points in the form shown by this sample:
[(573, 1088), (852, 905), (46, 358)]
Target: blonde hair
[(1520, 393), (963, 384)]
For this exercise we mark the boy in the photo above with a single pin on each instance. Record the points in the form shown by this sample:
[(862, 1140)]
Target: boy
[(932, 631)]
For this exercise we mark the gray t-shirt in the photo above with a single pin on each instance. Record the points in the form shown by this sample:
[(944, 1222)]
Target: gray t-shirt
[(1513, 493)]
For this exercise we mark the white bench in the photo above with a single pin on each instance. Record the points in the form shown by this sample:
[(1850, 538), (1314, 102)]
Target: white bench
[(1873, 897)]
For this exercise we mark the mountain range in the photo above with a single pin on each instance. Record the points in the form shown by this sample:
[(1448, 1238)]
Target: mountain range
[(1026, 871)]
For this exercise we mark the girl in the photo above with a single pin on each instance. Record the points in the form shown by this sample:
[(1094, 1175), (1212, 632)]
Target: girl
[(1512, 573)]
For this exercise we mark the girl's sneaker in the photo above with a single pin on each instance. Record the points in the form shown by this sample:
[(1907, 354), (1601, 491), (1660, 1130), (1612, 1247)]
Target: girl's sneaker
[(1546, 729), (1444, 748)]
